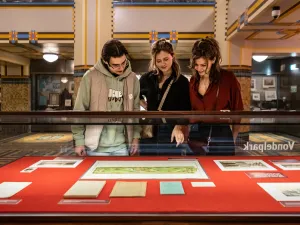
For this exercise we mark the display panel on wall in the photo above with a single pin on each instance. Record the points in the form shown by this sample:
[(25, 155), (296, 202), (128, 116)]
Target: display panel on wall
[(270, 95), (47, 84), (268, 82), (51, 90), (253, 84)]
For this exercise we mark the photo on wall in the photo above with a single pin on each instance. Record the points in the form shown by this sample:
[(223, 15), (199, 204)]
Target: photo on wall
[(268, 82), (256, 96), (53, 99), (71, 87), (253, 84), (284, 82), (270, 95)]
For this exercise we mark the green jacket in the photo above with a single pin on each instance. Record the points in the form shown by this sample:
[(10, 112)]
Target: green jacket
[(101, 91)]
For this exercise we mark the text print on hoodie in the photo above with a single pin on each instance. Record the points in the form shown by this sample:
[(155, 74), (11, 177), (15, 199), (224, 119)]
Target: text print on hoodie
[(99, 90)]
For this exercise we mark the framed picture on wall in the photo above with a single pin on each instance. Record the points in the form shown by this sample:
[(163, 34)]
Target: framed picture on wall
[(253, 84), (270, 95), (54, 99), (268, 82), (68, 102), (71, 87), (256, 96), (284, 82)]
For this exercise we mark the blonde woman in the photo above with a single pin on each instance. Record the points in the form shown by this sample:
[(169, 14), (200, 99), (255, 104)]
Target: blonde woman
[(165, 75)]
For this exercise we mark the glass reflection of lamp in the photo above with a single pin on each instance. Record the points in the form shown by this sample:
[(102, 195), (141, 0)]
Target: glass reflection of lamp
[(64, 80), (294, 67), (50, 57), (259, 58)]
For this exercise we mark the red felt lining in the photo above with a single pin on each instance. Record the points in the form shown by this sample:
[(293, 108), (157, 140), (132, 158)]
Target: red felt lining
[(235, 192)]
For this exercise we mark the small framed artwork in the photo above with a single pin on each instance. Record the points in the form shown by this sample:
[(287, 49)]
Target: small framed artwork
[(54, 99), (253, 84), (294, 89), (71, 87), (268, 82), (256, 96), (68, 102), (270, 95), (284, 82), (267, 120)]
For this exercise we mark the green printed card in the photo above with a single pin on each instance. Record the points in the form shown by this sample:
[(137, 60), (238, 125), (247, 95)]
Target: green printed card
[(171, 188)]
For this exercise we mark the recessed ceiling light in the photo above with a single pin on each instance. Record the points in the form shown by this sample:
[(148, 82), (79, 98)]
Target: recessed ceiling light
[(260, 58), (50, 57)]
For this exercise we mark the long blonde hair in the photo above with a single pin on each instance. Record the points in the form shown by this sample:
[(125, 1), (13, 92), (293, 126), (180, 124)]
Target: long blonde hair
[(157, 47)]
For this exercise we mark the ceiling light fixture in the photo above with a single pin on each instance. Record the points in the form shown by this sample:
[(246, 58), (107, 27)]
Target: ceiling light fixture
[(64, 80), (259, 58), (50, 57)]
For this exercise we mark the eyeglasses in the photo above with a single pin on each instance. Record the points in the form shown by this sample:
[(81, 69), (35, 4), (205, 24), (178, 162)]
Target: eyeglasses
[(118, 66)]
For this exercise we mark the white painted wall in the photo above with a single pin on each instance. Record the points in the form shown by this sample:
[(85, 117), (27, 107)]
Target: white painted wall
[(164, 19), (25, 19), (236, 8)]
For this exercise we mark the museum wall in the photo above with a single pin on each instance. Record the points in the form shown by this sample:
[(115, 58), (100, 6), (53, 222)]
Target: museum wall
[(46, 79), (287, 81), (40, 19), (195, 19), (236, 8)]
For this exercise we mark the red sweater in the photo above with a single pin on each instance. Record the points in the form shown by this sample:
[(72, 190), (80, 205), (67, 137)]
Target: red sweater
[(229, 97)]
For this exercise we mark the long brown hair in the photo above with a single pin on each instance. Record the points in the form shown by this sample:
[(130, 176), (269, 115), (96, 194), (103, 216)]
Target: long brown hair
[(157, 47), (207, 48)]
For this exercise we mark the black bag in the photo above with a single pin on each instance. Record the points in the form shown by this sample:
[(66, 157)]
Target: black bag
[(211, 140)]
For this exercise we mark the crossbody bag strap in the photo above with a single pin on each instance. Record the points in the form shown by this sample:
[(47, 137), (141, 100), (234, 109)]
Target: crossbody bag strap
[(165, 96), (215, 107)]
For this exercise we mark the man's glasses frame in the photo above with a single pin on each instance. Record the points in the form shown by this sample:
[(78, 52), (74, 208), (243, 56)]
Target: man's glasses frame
[(118, 66)]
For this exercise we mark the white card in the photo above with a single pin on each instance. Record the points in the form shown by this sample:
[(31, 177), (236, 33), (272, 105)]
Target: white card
[(203, 184), (8, 189), (29, 170)]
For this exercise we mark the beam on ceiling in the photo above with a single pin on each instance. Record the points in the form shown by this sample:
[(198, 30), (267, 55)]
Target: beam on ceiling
[(15, 59)]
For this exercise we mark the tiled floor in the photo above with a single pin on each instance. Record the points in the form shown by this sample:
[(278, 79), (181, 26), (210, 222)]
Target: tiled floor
[(13, 148)]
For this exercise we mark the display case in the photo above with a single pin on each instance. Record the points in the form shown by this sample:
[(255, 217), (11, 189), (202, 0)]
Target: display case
[(241, 167)]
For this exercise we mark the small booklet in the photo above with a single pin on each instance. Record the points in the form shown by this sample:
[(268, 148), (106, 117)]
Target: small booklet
[(85, 189), (129, 189), (171, 188)]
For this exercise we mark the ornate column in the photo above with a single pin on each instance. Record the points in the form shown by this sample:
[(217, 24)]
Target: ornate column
[(236, 55), (93, 27)]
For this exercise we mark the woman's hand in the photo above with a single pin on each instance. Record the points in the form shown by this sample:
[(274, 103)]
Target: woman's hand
[(178, 135)]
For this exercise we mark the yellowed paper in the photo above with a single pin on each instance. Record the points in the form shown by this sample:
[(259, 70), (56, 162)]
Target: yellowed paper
[(85, 189), (129, 189)]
